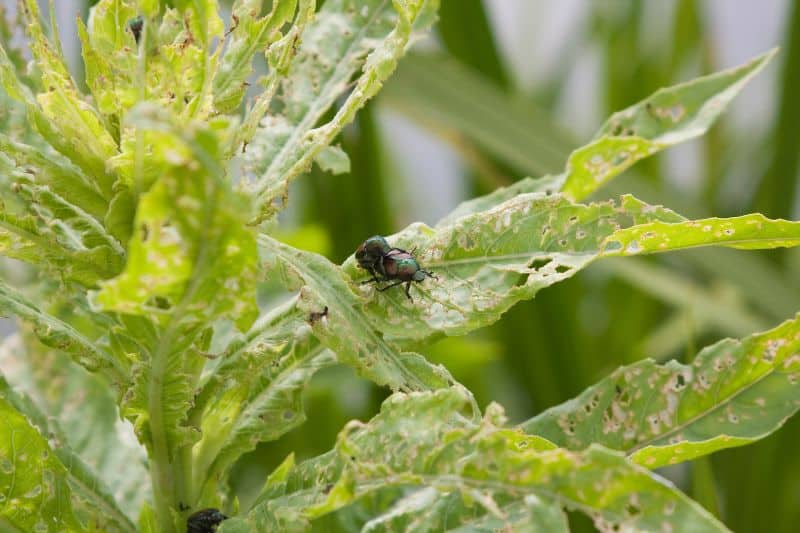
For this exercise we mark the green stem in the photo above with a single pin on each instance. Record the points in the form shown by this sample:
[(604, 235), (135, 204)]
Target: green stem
[(168, 478), (160, 465)]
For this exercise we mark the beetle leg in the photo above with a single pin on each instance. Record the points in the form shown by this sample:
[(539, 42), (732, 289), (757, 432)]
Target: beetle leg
[(408, 288), (390, 286), (430, 274), (370, 280)]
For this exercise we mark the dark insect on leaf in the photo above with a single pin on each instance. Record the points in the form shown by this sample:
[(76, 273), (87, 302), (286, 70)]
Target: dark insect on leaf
[(318, 315), (204, 521), (136, 24), (385, 263)]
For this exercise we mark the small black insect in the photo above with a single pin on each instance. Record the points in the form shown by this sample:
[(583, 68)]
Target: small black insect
[(318, 315), (204, 521), (370, 254), (390, 264), (135, 25)]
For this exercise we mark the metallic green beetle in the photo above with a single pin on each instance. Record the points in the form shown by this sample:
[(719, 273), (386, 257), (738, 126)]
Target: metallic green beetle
[(370, 254), (389, 264)]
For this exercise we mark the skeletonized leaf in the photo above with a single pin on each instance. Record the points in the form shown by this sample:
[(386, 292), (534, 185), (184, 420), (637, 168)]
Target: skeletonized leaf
[(733, 393), (488, 261), (190, 254), (422, 440), (72, 126), (60, 335), (249, 35), (546, 185), (110, 55), (747, 232), (345, 36), (90, 501), (342, 324), (47, 167), (255, 395), (70, 397), (33, 482), (669, 116)]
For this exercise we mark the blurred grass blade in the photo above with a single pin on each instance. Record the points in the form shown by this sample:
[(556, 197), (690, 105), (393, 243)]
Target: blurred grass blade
[(458, 102), (466, 32), (777, 193), (733, 393), (713, 306)]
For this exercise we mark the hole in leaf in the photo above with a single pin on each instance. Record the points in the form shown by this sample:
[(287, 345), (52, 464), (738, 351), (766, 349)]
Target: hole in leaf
[(540, 262), (632, 509), (563, 269), (159, 302)]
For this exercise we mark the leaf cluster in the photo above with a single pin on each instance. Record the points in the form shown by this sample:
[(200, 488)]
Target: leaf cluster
[(146, 209)]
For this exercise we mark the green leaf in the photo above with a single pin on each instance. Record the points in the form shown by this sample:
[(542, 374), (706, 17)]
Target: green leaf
[(49, 376), (733, 393), (334, 160), (159, 396), (343, 326), (57, 334), (422, 440), (255, 394), (33, 482), (488, 261), (46, 167), (545, 185), (71, 126), (110, 55), (428, 510), (91, 500), (669, 116), (249, 35), (345, 36), (747, 232), (191, 255), (75, 247), (191, 260)]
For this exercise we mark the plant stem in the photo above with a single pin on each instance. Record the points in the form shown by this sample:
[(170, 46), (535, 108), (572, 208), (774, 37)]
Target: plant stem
[(160, 466)]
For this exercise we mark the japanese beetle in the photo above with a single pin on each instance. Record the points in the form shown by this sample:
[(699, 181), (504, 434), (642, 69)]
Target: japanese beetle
[(401, 266), (204, 521), (370, 254), (385, 263), (135, 25)]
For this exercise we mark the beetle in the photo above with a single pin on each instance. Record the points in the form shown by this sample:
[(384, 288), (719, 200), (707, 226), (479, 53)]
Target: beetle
[(401, 266), (385, 263), (370, 255), (135, 25), (204, 521)]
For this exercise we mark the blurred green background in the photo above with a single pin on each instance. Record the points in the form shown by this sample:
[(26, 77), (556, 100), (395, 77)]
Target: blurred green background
[(506, 89)]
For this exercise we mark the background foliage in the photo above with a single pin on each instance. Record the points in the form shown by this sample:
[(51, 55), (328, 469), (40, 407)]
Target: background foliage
[(614, 313), (618, 312)]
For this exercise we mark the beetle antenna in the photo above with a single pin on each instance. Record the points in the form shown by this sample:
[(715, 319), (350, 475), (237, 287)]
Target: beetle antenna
[(430, 274)]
